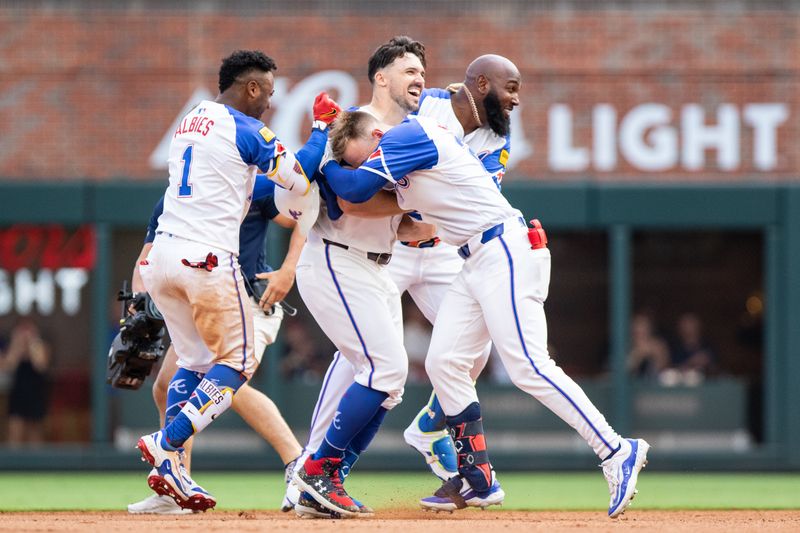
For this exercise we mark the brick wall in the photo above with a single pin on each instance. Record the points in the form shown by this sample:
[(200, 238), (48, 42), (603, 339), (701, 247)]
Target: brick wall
[(91, 93)]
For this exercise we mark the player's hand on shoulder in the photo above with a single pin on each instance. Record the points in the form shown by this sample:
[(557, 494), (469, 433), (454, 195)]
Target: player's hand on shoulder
[(325, 110)]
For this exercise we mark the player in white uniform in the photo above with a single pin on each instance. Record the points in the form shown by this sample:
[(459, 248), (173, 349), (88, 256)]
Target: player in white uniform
[(192, 272), (426, 268), (474, 112), (343, 280), (498, 295)]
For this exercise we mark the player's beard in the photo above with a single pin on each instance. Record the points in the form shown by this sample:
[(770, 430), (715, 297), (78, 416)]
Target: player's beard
[(495, 114), (402, 101)]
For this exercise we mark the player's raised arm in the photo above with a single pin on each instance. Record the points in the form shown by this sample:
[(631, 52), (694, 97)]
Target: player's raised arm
[(292, 169)]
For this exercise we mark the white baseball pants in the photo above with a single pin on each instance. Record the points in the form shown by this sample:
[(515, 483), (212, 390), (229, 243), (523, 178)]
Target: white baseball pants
[(358, 307), (500, 294), (207, 312)]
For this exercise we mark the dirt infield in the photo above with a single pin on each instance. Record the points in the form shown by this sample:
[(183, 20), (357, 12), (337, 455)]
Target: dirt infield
[(408, 521)]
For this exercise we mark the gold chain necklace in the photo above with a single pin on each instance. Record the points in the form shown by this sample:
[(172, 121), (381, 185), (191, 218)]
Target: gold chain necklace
[(474, 108)]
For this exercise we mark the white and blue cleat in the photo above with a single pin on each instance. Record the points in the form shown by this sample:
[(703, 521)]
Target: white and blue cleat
[(456, 493), (622, 473), (435, 446), (169, 477), (157, 504)]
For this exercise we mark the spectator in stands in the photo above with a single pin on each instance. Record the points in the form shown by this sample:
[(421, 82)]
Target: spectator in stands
[(649, 353), (691, 357), (27, 359)]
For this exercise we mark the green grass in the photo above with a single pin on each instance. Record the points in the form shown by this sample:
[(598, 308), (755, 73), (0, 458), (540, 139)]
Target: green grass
[(568, 491)]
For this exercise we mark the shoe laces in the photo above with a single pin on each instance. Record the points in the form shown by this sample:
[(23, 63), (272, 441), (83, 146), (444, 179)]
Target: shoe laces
[(287, 472), (611, 472), (331, 468)]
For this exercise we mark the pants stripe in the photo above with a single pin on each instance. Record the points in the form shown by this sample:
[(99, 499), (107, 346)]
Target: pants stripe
[(349, 314), (527, 355), (241, 312), (321, 399)]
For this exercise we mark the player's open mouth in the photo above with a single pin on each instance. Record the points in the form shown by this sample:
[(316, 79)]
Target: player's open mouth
[(415, 91)]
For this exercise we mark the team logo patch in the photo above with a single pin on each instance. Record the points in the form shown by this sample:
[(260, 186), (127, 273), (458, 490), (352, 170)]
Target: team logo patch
[(403, 183), (298, 169), (377, 154), (503, 157), (266, 133), (280, 149), (178, 385)]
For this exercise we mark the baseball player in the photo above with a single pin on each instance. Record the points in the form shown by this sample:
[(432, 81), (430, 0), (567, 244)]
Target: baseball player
[(342, 278), (252, 405), (192, 272), (499, 295), (427, 268)]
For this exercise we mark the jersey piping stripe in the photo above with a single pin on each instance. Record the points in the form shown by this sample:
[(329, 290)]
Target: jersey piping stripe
[(321, 399), (525, 348), (241, 313), (349, 314)]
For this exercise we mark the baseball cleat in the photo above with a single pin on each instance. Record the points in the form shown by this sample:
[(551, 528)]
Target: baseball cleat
[(435, 446), (308, 507), (156, 504), (456, 493), (622, 472), (320, 479), (292, 494), (169, 477)]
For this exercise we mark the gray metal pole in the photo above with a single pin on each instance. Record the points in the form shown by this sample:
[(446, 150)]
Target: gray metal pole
[(620, 315)]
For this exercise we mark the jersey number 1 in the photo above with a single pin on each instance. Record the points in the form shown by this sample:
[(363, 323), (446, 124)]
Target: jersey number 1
[(184, 189)]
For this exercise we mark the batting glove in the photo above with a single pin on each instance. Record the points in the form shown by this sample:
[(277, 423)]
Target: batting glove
[(325, 111)]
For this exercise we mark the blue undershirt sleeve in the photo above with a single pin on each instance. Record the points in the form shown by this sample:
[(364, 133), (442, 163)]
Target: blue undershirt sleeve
[(357, 185), (264, 187), (310, 155)]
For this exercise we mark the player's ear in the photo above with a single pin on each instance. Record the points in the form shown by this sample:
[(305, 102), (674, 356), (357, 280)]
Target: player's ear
[(252, 87), (483, 84), (377, 133)]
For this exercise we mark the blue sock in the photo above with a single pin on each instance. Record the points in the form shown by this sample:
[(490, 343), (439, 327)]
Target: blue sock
[(356, 409), (180, 388), (361, 441), (438, 421), (212, 397)]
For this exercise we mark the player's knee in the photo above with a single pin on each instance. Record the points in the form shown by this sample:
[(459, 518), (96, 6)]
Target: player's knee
[(396, 376), (433, 367)]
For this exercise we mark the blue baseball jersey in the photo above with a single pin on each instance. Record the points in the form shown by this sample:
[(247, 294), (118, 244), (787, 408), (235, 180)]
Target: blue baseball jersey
[(252, 233)]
